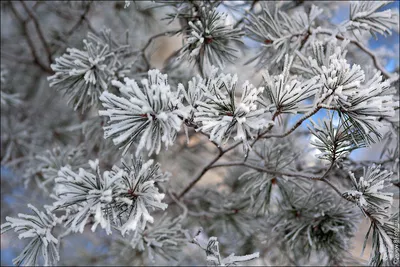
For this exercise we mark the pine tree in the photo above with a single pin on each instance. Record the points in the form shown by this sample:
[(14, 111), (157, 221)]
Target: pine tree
[(248, 139)]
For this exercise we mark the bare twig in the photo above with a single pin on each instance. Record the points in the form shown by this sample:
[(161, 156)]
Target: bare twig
[(249, 11), (332, 186), (89, 25), (200, 174), (80, 21), (142, 51), (296, 125), (288, 174), (260, 169), (39, 30), (31, 45)]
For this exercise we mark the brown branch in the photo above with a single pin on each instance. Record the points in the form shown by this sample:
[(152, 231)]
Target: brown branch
[(142, 51), (80, 21), (260, 169), (31, 45), (289, 174), (297, 124), (39, 30), (199, 175)]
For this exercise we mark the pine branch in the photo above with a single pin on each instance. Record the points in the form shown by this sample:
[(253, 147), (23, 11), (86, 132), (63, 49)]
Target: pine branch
[(262, 135), (362, 47)]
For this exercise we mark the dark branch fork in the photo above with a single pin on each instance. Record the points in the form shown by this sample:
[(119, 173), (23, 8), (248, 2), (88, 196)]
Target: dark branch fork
[(33, 49)]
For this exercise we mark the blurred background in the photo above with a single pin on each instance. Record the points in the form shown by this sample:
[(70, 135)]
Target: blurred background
[(66, 24)]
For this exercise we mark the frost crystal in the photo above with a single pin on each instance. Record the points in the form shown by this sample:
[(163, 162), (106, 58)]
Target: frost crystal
[(149, 113), (137, 193), (85, 194), (208, 39), (340, 80), (362, 104), (221, 115), (127, 4), (370, 108), (38, 227), (364, 15), (286, 92), (280, 33), (194, 92), (367, 193), (82, 74), (214, 257), (121, 197)]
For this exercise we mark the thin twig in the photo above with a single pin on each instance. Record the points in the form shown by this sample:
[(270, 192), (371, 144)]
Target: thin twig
[(289, 174), (244, 17), (180, 204), (200, 174), (89, 25), (261, 169), (80, 21), (39, 30), (332, 186), (214, 143), (150, 40), (30, 41), (297, 124)]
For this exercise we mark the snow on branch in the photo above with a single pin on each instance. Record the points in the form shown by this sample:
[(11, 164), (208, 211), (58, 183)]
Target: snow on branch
[(368, 190), (39, 228), (214, 257), (280, 33), (222, 115), (118, 198), (335, 142), (209, 40), (286, 93), (151, 114), (367, 16), (361, 103), (82, 75)]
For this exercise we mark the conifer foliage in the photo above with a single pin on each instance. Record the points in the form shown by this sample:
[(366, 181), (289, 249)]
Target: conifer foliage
[(270, 95)]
